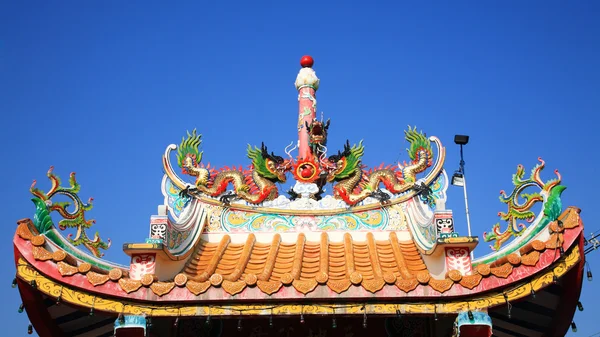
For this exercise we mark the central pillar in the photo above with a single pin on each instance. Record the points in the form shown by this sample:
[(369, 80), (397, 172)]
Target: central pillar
[(307, 84)]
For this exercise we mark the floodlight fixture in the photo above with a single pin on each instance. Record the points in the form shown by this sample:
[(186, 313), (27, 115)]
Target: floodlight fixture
[(458, 179), (461, 139)]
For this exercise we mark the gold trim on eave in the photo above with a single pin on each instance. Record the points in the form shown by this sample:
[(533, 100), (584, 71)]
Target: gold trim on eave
[(86, 300)]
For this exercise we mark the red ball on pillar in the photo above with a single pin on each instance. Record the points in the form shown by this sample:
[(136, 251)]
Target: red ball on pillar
[(306, 61), (307, 171)]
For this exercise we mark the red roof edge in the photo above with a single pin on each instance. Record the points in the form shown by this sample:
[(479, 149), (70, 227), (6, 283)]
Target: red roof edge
[(37, 312), (574, 281)]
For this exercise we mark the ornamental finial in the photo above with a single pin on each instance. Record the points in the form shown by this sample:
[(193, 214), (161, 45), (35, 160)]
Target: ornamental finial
[(307, 76), (307, 61)]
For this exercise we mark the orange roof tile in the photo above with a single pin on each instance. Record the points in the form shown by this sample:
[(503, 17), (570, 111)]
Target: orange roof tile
[(305, 263)]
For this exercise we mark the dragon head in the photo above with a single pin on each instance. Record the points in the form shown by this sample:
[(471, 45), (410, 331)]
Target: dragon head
[(419, 145), (267, 165), (317, 132), (343, 164)]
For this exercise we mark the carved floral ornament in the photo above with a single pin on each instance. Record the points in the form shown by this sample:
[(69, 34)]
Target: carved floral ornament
[(502, 268)]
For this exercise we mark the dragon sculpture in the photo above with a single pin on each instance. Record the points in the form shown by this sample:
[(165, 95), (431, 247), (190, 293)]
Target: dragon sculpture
[(355, 184), (254, 185), (317, 135)]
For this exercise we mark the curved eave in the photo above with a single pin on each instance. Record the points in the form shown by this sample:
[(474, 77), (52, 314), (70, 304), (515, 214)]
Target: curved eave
[(52, 319), (548, 313), (110, 297), (73, 313), (70, 274), (37, 312)]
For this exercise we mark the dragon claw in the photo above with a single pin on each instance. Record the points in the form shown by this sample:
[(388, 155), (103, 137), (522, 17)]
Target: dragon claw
[(380, 195), (319, 195), (293, 194), (187, 191), (228, 198), (423, 190)]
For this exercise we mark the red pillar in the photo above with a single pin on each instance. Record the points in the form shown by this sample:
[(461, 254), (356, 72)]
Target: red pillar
[(307, 84)]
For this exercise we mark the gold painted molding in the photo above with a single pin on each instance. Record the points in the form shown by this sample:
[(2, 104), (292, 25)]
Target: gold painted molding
[(86, 300)]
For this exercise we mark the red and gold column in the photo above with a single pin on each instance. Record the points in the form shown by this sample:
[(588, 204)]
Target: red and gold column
[(307, 84)]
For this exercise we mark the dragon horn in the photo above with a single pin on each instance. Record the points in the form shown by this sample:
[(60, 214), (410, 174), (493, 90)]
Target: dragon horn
[(263, 150), (347, 149)]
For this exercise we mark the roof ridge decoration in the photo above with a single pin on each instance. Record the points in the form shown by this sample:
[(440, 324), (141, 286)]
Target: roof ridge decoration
[(354, 181), (354, 185), (254, 185), (71, 219), (549, 195)]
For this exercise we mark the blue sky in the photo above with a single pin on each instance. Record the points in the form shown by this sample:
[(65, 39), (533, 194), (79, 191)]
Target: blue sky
[(101, 88)]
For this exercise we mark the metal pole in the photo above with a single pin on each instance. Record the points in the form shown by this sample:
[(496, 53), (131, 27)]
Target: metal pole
[(462, 168), (467, 206)]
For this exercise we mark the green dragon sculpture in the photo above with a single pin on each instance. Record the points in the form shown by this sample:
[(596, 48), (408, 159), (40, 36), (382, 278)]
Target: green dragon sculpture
[(254, 185), (71, 219), (355, 184)]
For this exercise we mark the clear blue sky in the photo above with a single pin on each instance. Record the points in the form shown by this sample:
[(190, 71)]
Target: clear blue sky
[(101, 88)]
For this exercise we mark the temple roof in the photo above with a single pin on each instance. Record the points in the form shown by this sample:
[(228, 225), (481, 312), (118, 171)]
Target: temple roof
[(375, 265), (382, 240)]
